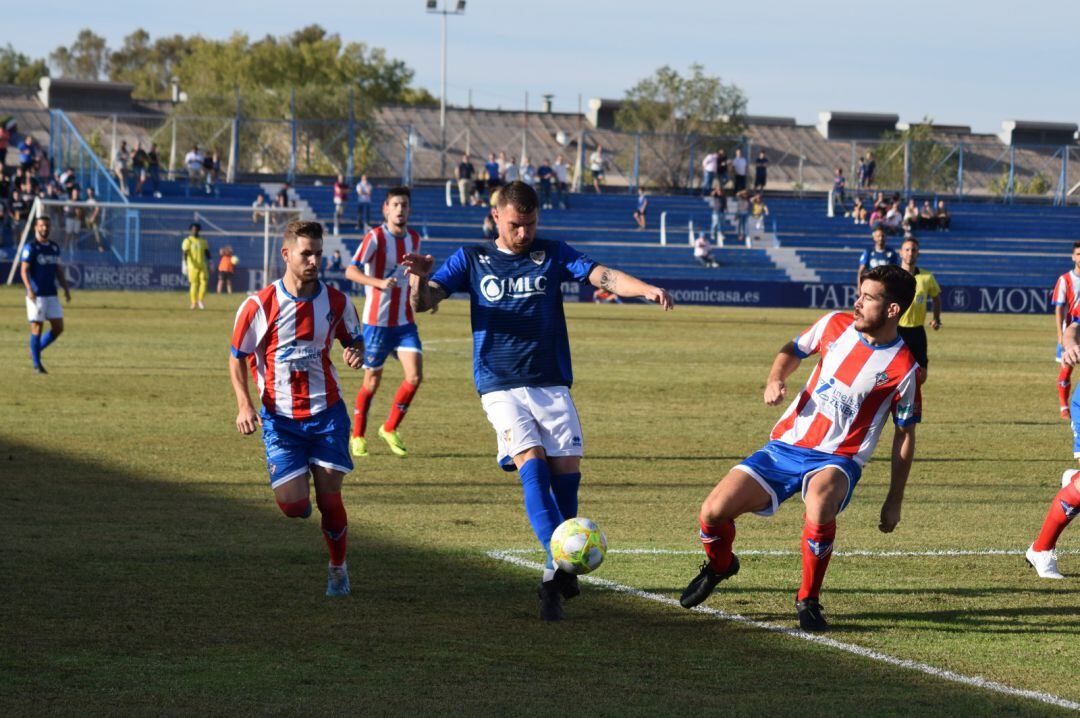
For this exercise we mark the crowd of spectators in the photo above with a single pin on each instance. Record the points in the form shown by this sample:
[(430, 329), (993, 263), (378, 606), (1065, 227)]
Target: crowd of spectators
[(551, 180)]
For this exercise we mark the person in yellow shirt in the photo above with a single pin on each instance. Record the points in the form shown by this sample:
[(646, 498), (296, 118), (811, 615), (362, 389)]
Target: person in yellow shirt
[(926, 290), (195, 255)]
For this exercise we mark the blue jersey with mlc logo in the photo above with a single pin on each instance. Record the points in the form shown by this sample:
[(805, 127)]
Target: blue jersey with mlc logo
[(519, 329), (42, 258)]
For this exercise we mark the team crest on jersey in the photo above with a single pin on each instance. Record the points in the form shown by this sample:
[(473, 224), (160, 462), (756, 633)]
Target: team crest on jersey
[(1069, 510), (272, 467), (538, 256), (881, 378), (821, 549)]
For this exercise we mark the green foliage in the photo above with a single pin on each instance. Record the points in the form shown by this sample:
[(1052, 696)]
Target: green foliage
[(86, 59), (678, 111), (148, 66), (1037, 184), (933, 164), (18, 69)]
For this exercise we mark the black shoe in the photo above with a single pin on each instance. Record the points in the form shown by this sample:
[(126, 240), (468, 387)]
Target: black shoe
[(702, 586), (567, 584), (39, 369), (811, 615), (550, 601)]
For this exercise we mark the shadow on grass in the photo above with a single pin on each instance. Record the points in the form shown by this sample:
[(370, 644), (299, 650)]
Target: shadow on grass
[(125, 593)]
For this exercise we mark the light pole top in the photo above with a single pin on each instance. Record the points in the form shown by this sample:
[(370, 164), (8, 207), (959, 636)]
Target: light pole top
[(433, 7)]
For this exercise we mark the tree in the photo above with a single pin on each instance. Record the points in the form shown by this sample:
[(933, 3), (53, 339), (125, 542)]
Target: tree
[(86, 59), (679, 112), (149, 67), (18, 69), (933, 164)]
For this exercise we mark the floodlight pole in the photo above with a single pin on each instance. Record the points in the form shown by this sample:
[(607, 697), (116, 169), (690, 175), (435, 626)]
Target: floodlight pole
[(459, 9)]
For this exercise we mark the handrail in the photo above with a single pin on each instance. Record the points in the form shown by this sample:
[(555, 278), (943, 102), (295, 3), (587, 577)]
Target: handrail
[(59, 116)]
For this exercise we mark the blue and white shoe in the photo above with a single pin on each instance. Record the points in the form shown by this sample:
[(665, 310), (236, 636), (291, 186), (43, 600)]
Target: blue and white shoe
[(337, 581)]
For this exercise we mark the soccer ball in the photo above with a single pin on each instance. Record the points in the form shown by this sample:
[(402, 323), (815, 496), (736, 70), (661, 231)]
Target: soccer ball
[(235, 260), (578, 546)]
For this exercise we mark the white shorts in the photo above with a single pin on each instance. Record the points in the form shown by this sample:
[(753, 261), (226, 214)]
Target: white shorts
[(527, 417), (72, 226), (42, 308)]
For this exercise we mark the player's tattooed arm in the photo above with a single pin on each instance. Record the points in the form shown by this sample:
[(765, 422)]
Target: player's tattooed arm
[(425, 295), (625, 285)]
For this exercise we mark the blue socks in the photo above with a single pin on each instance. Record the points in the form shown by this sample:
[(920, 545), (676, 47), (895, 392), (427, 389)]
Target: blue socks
[(46, 339), (35, 349), (540, 506), (565, 489)]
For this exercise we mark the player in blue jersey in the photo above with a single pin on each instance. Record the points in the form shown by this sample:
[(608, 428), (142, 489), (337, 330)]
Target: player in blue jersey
[(41, 271), (876, 256), (521, 357)]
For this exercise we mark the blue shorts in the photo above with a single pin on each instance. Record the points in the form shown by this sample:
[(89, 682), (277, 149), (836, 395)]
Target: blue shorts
[(293, 444), (783, 470), (380, 341)]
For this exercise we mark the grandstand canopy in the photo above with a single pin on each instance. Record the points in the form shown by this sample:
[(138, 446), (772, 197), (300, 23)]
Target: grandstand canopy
[(855, 125), (86, 96), (1027, 132)]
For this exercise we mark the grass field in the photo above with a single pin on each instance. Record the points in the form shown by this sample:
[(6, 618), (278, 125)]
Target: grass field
[(146, 569)]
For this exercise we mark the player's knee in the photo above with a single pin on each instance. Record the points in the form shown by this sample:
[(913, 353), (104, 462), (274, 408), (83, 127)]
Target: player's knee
[(296, 509), (415, 378), (372, 380)]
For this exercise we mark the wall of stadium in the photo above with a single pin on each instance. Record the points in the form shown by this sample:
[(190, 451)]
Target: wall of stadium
[(813, 295)]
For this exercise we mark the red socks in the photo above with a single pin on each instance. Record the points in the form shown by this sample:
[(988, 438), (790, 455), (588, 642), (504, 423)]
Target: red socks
[(1064, 385), (817, 546), (335, 526), (402, 399), (296, 509), (1064, 507), (717, 541), (363, 404)]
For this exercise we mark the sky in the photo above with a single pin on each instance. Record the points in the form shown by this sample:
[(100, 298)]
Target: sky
[(967, 63)]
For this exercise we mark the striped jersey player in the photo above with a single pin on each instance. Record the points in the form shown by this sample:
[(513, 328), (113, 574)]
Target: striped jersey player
[(284, 335), (387, 318), (865, 374), (1066, 300)]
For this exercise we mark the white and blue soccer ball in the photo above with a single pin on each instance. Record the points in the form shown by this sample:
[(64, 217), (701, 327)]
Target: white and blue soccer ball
[(578, 546)]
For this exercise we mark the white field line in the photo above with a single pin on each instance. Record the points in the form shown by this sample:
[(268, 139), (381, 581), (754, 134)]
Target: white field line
[(930, 553), (944, 674)]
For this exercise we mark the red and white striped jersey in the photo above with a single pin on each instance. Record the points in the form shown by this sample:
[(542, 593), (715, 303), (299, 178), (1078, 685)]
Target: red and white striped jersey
[(380, 256), (287, 341), (843, 406), (1067, 294)]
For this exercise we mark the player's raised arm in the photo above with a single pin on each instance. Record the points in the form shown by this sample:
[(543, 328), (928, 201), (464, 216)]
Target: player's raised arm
[(625, 285), (784, 365)]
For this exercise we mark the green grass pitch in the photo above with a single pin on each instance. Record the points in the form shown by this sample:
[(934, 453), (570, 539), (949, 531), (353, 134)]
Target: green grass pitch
[(146, 570)]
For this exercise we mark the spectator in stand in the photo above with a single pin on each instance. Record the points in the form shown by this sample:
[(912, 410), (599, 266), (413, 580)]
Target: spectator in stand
[(758, 212), (761, 171), (211, 172), (708, 173), (92, 218), (742, 211), (281, 201), (504, 165), (73, 216), (226, 269), (642, 206), (527, 172), (336, 265), (5, 230), (509, 172), (120, 166), (463, 173), (256, 208), (341, 196), (68, 180), (877, 218), (153, 170), (597, 161), (545, 175), (5, 140), (44, 168), (494, 174), (839, 187), (876, 256), (927, 219), (20, 207), (723, 167), (703, 252), (28, 153), (738, 167), (193, 162), (140, 161), (562, 180), (862, 173), (718, 206), (911, 218), (363, 203), (881, 203), (490, 230), (942, 216), (894, 218), (870, 167)]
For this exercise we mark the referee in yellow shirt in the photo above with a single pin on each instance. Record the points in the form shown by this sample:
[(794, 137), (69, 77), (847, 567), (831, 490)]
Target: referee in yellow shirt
[(926, 289), (195, 254)]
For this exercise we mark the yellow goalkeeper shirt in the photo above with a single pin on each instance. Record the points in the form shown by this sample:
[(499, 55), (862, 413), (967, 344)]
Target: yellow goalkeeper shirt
[(926, 288), (195, 250)]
